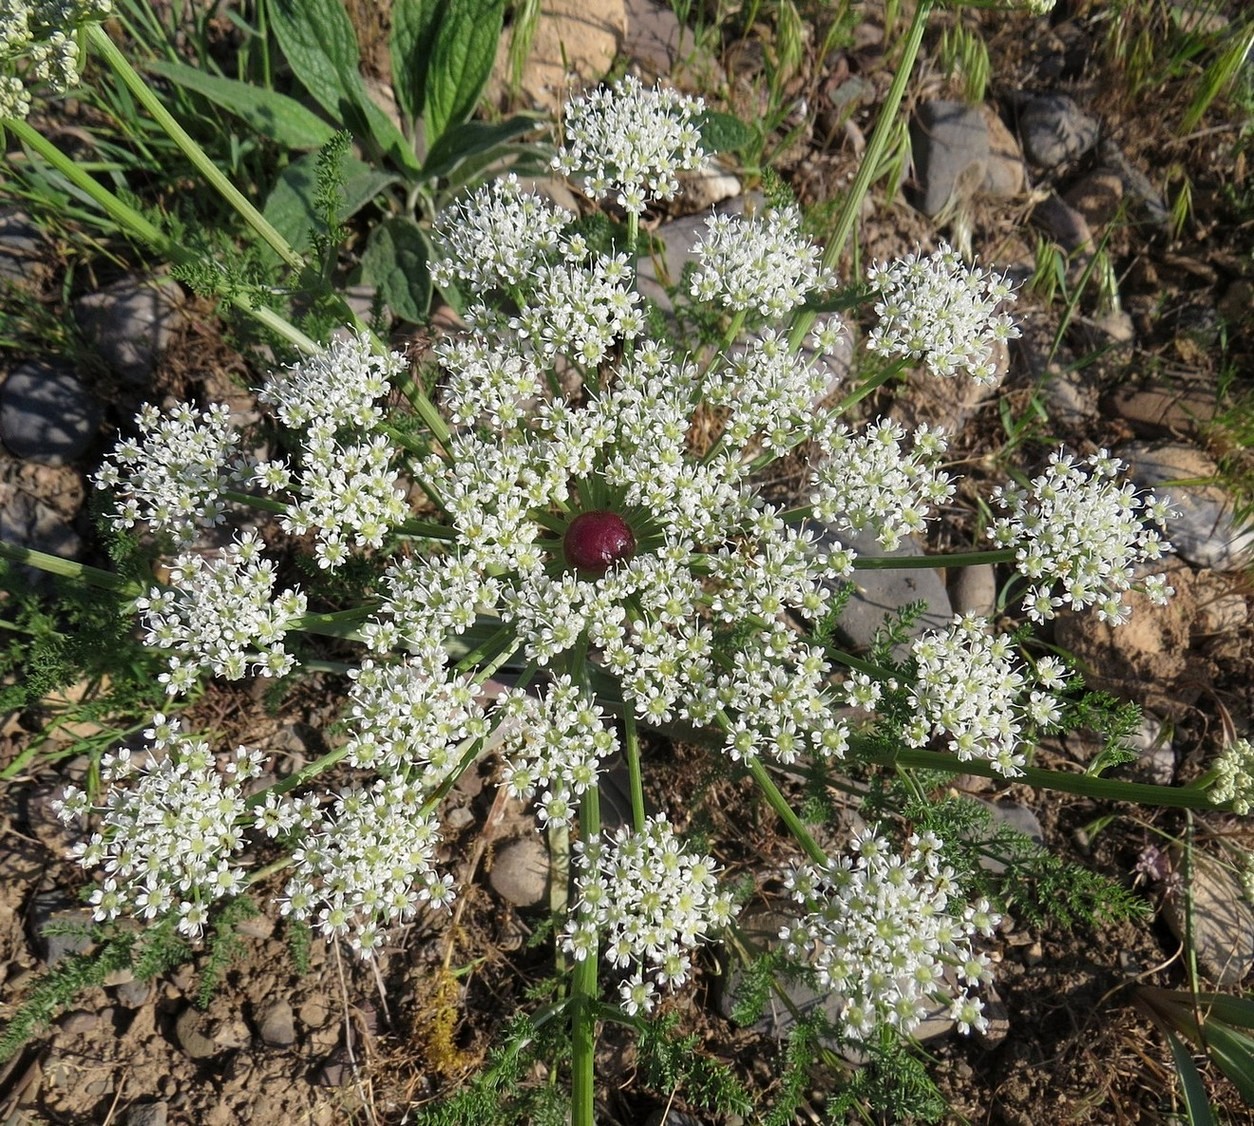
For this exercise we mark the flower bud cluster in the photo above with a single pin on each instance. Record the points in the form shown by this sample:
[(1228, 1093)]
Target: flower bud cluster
[(222, 615), (631, 140), (967, 688), (1080, 527), (888, 934), (174, 476), (38, 46), (653, 901), (171, 828), (936, 309), (1234, 777)]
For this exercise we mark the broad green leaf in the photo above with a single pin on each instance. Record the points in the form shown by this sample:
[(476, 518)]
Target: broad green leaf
[(290, 206), (472, 138), (461, 60), (270, 113), (1238, 1011), (1234, 1053), (724, 132), (1195, 1102), (395, 262), (413, 27), (319, 43)]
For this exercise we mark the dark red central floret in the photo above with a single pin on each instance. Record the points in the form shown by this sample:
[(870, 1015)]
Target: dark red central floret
[(595, 541)]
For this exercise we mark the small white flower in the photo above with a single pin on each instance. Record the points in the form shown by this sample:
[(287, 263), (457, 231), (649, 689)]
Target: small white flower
[(631, 141)]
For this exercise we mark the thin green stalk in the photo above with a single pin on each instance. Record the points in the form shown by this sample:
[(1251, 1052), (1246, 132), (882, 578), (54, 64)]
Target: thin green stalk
[(779, 803), (884, 127), (583, 997), (1086, 785), (69, 569), (108, 51), (632, 742), (141, 228), (917, 562), (872, 384)]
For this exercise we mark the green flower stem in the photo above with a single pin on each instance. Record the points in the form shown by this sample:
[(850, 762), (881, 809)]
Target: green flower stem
[(426, 530), (583, 996), (632, 742), (336, 623), (425, 408), (305, 774), (265, 504), (876, 381), (105, 47), (870, 163), (916, 562), (69, 569), (141, 228), (1086, 785), (779, 803)]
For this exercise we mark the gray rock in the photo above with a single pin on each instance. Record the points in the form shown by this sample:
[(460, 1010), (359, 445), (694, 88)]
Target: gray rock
[(520, 872), (1156, 756), (1222, 924), (22, 251), (1054, 129), (276, 1024), (191, 1028), (131, 322), (973, 590), (148, 1114), (1070, 395), (56, 909), (1018, 817), (134, 994), (880, 593), (46, 414), (949, 146), (709, 185), (1063, 223), (1205, 533)]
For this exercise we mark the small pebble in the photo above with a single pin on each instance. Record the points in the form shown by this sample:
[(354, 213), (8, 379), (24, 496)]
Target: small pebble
[(276, 1025)]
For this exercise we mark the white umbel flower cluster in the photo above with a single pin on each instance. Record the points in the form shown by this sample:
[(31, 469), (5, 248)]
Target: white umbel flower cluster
[(869, 481), (1078, 527), (368, 864), (631, 141), (885, 932), (334, 389), (1234, 777), (762, 264), (969, 691), (653, 902), (494, 237), (345, 490), (939, 310), (222, 615), (38, 46), (174, 477), (171, 829), (553, 747)]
